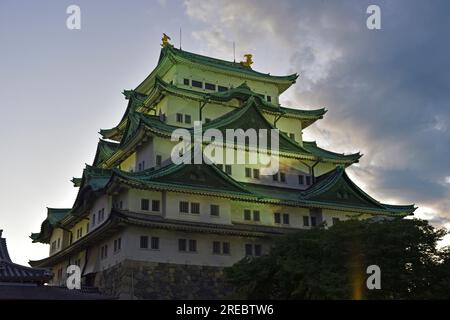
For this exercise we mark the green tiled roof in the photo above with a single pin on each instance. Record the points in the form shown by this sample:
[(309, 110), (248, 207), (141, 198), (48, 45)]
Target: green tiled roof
[(209, 180), (246, 117), (135, 101), (242, 92), (54, 216), (105, 149), (312, 147), (222, 64)]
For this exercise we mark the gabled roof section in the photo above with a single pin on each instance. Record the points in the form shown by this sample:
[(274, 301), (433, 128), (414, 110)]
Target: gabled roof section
[(248, 116), (242, 93), (92, 181), (337, 187), (170, 55), (105, 149), (312, 147), (136, 100), (181, 177), (54, 217)]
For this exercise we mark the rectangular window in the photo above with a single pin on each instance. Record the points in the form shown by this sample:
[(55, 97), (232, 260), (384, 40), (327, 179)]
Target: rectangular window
[(195, 207), (214, 210), (248, 249), (216, 247), (256, 173), (106, 250), (277, 217), (193, 245), (256, 215), (144, 242), (228, 169), (120, 204), (308, 180), (282, 177), (248, 172), (187, 118), (197, 84), (59, 242), (306, 221), (313, 221), (155, 243), (81, 232), (117, 244), (301, 179), (145, 203), (226, 248), (269, 99), (184, 206), (186, 82), (275, 177), (93, 219), (247, 215), (158, 160), (257, 250), (285, 218), (335, 220), (220, 166), (210, 86), (155, 205), (182, 245), (292, 136), (222, 88), (180, 117)]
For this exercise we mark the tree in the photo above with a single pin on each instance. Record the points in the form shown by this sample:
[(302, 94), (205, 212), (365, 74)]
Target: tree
[(331, 263)]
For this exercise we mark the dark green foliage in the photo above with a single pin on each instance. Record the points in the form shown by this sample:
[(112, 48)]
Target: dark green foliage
[(332, 263)]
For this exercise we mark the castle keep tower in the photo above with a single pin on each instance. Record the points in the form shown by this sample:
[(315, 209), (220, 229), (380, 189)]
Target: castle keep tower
[(144, 226)]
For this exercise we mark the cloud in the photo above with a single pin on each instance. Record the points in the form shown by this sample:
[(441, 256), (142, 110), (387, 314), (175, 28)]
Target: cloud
[(386, 90)]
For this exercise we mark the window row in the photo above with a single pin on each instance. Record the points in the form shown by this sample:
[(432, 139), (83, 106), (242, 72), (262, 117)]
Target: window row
[(190, 245), (194, 208), (145, 205), (183, 118), (100, 217), (278, 177), (212, 87), (204, 85)]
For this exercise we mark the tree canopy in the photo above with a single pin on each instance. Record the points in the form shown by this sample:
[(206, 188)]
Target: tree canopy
[(332, 263)]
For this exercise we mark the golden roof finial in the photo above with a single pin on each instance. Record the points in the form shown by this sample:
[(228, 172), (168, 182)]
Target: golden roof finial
[(248, 60), (165, 40)]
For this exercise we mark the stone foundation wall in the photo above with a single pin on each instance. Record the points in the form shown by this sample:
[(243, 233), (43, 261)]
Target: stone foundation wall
[(151, 280)]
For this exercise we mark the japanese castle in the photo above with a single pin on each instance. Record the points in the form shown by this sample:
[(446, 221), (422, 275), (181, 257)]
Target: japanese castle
[(143, 226)]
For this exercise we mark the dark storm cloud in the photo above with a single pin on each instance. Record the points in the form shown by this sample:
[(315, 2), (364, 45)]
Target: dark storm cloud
[(387, 91), (392, 89)]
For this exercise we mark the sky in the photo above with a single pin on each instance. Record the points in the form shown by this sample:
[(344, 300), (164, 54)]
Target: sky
[(387, 91)]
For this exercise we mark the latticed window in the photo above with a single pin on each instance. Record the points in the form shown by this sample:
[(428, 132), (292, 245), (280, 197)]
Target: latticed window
[(195, 207), (145, 204), (155, 205), (216, 247), (247, 215), (144, 242), (155, 243), (184, 206), (214, 210)]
